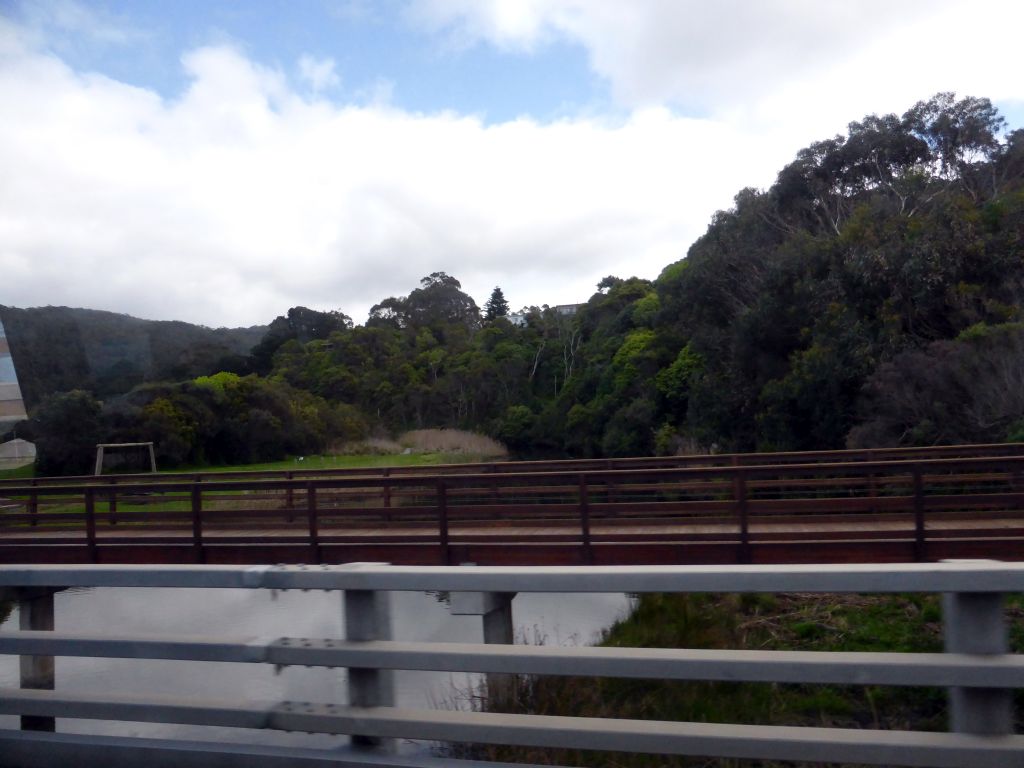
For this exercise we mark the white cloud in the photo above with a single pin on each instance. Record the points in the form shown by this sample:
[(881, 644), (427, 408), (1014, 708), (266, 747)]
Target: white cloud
[(68, 23), (318, 73), (243, 197), (736, 57), (246, 195)]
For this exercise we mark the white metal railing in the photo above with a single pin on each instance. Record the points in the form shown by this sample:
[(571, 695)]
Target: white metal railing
[(976, 667)]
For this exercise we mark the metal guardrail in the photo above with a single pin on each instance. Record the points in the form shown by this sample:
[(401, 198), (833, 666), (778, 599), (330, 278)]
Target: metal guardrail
[(976, 667)]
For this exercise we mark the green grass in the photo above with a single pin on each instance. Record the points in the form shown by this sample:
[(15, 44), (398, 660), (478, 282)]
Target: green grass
[(343, 462), (308, 462), (906, 623), (12, 474)]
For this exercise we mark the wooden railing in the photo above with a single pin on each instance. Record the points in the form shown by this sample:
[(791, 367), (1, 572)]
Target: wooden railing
[(917, 510), (977, 668)]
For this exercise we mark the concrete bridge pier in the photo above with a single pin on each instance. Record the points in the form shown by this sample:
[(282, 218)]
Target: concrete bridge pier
[(495, 609), (35, 612)]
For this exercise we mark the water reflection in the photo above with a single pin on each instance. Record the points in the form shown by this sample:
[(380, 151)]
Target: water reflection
[(554, 619)]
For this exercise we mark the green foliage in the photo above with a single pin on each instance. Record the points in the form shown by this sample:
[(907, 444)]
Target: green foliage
[(673, 382), (66, 428), (58, 349), (830, 623), (870, 296), (220, 382), (300, 324), (516, 427), (496, 305)]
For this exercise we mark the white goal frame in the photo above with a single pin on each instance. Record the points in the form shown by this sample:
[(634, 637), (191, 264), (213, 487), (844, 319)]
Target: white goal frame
[(101, 449)]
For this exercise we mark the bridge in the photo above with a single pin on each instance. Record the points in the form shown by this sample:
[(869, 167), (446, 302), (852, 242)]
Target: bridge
[(885, 505), (976, 667)]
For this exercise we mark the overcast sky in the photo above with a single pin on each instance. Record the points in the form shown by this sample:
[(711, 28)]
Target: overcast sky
[(218, 162)]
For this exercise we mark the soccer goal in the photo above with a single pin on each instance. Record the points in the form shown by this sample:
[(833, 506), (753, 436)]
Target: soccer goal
[(125, 457)]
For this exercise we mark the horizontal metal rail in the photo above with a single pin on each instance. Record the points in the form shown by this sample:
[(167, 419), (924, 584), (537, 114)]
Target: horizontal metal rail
[(26, 749), (853, 668), (962, 576), (875, 747), (977, 668)]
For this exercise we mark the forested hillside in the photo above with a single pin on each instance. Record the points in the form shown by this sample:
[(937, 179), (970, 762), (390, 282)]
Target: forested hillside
[(871, 296), (60, 348)]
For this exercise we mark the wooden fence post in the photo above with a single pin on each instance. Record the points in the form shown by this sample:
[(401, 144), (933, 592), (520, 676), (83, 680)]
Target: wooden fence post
[(588, 550), (112, 502), (442, 522), (739, 492), (90, 524), (920, 551), (289, 497), (387, 490), (197, 524), (314, 528), (33, 505)]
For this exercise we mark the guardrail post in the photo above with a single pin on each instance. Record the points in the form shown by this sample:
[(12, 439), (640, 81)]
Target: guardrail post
[(314, 528), (368, 617), (197, 523), (90, 525), (495, 610), (920, 551), (739, 492), (442, 522), (588, 550), (35, 612), (973, 622)]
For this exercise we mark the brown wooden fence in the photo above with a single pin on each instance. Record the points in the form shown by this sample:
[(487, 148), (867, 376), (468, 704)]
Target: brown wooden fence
[(920, 508)]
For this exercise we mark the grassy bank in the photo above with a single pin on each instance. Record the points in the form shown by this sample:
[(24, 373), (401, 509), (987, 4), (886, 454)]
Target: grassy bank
[(907, 623), (28, 470), (342, 462)]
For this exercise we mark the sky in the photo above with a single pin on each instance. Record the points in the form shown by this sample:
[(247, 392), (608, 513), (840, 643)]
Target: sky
[(218, 161)]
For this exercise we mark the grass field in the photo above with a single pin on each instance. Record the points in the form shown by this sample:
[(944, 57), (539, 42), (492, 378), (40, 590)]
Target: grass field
[(344, 462), (309, 462), (26, 471)]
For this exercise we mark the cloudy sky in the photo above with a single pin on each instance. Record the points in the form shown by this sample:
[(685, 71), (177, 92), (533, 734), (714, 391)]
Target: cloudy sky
[(219, 161)]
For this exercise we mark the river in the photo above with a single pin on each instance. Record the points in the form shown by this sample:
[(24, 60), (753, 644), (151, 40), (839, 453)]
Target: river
[(555, 619)]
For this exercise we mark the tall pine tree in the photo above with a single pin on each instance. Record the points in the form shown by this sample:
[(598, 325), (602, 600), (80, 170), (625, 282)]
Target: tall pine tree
[(496, 306)]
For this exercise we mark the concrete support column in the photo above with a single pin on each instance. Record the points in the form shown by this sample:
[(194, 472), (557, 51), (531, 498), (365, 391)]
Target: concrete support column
[(975, 623), (368, 617), (35, 612), (495, 609)]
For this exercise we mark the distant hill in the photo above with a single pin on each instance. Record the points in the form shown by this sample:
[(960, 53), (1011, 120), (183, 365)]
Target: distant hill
[(57, 349)]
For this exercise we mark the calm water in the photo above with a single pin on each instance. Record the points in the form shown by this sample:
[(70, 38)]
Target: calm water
[(554, 619)]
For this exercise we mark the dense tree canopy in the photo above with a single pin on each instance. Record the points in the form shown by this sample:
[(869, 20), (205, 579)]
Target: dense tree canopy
[(871, 296)]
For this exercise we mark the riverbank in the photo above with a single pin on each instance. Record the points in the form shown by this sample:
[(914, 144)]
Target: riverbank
[(903, 623)]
